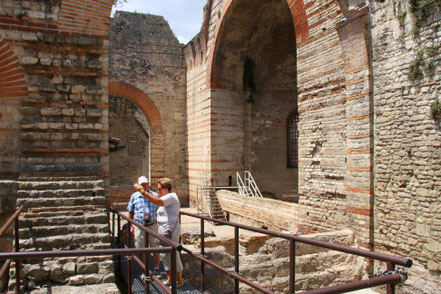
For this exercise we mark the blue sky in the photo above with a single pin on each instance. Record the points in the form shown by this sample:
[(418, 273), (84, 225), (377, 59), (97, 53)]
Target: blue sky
[(184, 16)]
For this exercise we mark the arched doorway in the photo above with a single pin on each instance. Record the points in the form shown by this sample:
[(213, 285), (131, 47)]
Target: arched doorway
[(254, 88), (135, 121)]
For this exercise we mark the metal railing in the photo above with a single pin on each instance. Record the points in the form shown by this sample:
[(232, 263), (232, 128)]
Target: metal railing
[(129, 252), (5, 267), (247, 186), (144, 262), (393, 277)]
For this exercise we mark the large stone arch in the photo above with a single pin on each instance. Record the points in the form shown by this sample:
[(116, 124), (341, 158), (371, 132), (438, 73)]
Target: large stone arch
[(154, 118), (341, 84), (252, 134)]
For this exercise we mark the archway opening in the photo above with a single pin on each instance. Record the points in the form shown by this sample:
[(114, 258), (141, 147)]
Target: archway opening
[(254, 81), (130, 153)]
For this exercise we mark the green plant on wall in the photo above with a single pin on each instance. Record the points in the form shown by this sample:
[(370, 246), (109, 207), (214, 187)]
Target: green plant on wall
[(436, 108), (423, 62), (422, 8), (248, 78)]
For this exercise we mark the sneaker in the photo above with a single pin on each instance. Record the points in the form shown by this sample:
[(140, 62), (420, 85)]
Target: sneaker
[(157, 273)]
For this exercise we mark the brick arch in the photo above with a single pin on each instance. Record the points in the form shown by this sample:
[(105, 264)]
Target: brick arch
[(153, 116), (13, 87), (298, 11)]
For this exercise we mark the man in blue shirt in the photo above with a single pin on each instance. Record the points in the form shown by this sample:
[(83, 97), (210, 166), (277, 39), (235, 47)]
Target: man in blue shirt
[(144, 213)]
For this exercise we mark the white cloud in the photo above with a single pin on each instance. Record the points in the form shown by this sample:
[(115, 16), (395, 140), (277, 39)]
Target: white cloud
[(184, 16)]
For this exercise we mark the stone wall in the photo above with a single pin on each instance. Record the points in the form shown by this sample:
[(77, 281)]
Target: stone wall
[(146, 55), (407, 138), (369, 157)]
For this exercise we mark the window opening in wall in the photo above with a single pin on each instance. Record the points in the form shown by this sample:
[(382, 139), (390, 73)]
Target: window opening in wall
[(293, 140)]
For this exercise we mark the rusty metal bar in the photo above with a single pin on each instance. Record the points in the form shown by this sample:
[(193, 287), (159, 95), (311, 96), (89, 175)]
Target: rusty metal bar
[(146, 263), (5, 267), (118, 240), (292, 266), (230, 274), (394, 278), (17, 249), (129, 260), (11, 220), (390, 289), (360, 252), (113, 229), (236, 258), (202, 253), (174, 289)]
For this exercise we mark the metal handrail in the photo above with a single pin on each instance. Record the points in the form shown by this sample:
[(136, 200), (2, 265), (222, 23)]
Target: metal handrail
[(11, 220), (144, 264), (391, 260)]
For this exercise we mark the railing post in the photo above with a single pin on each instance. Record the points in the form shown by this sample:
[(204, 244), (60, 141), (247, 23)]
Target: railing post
[(145, 259), (17, 249), (118, 240), (174, 287), (292, 266), (390, 289), (129, 260), (202, 254), (236, 258), (113, 227)]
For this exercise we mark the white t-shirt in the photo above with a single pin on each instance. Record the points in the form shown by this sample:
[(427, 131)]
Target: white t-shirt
[(168, 214)]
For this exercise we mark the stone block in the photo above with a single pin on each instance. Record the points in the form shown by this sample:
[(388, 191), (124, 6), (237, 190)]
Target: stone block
[(69, 268), (28, 60), (76, 280), (46, 61), (68, 112), (94, 112), (87, 268), (78, 89), (53, 111)]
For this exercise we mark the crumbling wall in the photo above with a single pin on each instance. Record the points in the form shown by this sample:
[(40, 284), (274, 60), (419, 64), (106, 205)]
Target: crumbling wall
[(145, 54)]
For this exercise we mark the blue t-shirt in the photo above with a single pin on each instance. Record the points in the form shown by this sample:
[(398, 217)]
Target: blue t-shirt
[(139, 206)]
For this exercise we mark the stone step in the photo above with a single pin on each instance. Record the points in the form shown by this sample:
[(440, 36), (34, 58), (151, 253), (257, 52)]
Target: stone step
[(56, 202), (71, 241), (36, 232), (62, 210), (63, 218), (60, 193), (59, 184)]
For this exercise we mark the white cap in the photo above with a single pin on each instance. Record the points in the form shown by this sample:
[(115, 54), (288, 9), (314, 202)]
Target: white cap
[(142, 180)]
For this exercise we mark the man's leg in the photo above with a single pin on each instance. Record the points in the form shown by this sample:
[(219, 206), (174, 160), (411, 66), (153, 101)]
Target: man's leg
[(139, 238), (152, 243)]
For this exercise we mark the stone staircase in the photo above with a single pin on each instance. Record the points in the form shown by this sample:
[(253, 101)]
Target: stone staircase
[(63, 214)]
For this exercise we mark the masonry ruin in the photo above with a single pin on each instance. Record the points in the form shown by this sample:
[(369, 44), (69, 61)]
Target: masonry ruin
[(331, 105)]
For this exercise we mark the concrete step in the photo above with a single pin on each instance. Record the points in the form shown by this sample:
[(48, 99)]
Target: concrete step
[(63, 201), (56, 184), (60, 230), (66, 193), (62, 210), (68, 242), (64, 218)]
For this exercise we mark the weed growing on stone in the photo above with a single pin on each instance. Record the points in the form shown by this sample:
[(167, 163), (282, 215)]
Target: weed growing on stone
[(436, 108), (402, 18)]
